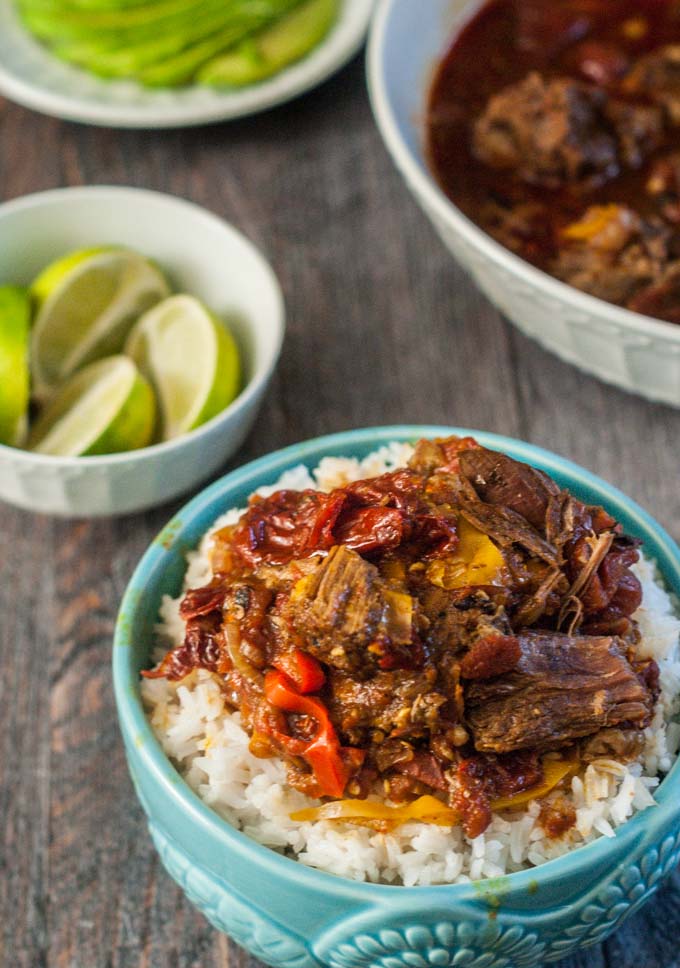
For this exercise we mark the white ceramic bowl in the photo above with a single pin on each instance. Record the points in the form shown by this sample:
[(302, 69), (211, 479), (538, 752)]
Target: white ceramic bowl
[(31, 76), (633, 351), (202, 255)]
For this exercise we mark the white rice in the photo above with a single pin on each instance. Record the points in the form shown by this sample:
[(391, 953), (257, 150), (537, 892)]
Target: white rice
[(205, 740)]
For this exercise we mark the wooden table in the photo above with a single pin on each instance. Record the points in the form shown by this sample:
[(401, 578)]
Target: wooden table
[(383, 328)]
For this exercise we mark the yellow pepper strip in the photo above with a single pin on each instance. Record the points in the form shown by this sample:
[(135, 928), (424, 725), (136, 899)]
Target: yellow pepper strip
[(554, 771), (596, 220), (429, 809), (635, 28), (476, 561)]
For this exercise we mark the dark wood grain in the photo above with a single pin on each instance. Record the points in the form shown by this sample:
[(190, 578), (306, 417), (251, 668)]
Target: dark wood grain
[(383, 328)]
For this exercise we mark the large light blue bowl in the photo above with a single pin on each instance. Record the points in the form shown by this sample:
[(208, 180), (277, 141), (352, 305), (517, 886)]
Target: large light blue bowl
[(289, 915)]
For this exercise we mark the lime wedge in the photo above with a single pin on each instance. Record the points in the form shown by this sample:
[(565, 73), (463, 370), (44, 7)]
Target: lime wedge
[(86, 304), (15, 321), (190, 358), (106, 408)]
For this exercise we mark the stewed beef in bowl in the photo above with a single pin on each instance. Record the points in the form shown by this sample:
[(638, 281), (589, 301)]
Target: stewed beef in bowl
[(442, 642), (556, 127), (541, 140)]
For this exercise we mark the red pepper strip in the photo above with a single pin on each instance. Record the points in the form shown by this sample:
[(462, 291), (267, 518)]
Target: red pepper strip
[(323, 753), (302, 668)]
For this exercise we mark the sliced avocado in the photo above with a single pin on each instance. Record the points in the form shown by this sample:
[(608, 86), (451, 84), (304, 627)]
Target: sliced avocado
[(182, 68), (128, 59), (268, 52)]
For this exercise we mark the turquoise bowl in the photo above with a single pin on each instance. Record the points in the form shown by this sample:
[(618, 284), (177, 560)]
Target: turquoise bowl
[(289, 915)]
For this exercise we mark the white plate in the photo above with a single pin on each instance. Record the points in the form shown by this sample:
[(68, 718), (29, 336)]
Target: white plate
[(30, 76)]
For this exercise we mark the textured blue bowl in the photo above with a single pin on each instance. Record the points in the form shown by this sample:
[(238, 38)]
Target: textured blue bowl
[(287, 914)]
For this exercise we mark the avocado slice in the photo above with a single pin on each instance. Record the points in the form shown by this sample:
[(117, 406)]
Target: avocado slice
[(126, 60), (268, 52), (182, 68)]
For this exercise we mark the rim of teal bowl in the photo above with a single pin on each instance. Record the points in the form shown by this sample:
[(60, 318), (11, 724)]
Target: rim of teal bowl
[(168, 543)]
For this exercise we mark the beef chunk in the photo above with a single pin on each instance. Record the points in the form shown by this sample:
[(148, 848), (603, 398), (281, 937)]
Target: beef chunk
[(616, 255), (527, 491), (563, 688), (624, 745), (548, 132), (523, 227), (471, 625), (500, 480), (613, 253), (560, 131), (345, 612), (454, 620), (639, 129), (661, 299), (397, 704), (657, 76), (663, 184)]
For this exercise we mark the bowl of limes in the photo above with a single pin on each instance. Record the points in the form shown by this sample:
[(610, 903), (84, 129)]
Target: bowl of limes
[(138, 333)]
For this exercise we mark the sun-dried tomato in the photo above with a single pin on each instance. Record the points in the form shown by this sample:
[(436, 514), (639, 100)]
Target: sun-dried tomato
[(370, 529), (492, 655), (368, 516), (203, 648), (483, 778), (287, 525), (202, 601)]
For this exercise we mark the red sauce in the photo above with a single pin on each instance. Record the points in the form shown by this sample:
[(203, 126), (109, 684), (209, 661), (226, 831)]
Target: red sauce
[(557, 817)]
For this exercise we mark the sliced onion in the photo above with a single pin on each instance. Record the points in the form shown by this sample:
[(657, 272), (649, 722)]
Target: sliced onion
[(232, 634)]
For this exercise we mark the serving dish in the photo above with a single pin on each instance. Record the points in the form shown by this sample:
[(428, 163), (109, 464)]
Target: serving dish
[(200, 253), (33, 77), (628, 349), (289, 915)]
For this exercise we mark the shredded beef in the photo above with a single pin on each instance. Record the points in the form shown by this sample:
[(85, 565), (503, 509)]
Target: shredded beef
[(561, 131), (616, 255), (663, 185), (500, 480), (340, 608), (395, 704), (563, 687), (657, 75)]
